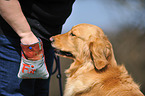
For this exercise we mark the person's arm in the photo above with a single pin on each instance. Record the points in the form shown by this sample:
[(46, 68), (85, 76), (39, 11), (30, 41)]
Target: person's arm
[(11, 11)]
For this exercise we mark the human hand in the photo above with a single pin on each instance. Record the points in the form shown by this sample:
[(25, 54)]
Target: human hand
[(28, 38), (32, 48), (33, 51)]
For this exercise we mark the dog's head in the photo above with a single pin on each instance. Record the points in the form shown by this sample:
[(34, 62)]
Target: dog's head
[(85, 42)]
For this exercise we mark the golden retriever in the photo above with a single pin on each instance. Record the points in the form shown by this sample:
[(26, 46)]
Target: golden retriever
[(94, 71)]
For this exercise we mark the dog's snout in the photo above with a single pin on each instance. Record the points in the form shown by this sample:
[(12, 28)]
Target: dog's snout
[(52, 39)]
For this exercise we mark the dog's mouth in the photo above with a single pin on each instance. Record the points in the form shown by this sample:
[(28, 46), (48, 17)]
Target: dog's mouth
[(63, 53)]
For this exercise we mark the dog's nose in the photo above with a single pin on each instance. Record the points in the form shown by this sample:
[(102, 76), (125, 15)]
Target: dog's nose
[(51, 39)]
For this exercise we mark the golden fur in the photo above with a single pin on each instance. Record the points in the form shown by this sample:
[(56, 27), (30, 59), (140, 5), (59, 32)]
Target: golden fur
[(94, 71)]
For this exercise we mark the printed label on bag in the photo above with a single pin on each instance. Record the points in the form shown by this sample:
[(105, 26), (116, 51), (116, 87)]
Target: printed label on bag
[(27, 67)]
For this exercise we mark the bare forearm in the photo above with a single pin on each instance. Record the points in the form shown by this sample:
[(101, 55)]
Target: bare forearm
[(11, 11)]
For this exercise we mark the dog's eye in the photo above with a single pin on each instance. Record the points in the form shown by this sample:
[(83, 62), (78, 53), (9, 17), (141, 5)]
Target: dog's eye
[(72, 34)]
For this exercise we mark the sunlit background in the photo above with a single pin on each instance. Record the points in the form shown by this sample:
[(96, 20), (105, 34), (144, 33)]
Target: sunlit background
[(123, 21)]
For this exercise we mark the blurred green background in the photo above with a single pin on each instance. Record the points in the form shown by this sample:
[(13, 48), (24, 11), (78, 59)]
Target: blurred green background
[(123, 21)]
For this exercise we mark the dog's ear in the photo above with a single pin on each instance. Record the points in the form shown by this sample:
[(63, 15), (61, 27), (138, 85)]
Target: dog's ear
[(107, 50), (109, 54), (99, 53)]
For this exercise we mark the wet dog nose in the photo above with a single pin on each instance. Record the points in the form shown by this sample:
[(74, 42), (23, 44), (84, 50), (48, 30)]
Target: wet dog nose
[(51, 39)]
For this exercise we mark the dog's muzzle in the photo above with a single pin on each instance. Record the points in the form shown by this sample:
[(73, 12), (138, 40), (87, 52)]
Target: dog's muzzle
[(60, 52)]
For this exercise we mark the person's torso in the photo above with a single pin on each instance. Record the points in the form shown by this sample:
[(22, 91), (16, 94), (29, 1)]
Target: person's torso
[(45, 17)]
